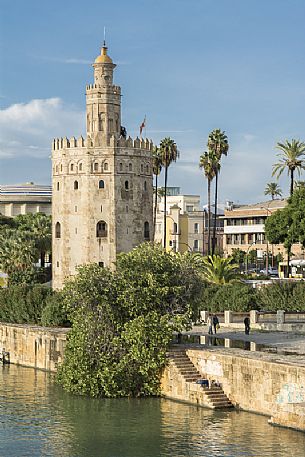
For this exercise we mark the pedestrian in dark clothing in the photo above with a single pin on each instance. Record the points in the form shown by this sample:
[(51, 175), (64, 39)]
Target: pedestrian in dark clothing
[(247, 325), (215, 323)]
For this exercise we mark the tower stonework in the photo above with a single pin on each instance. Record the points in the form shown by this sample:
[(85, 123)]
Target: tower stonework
[(102, 185)]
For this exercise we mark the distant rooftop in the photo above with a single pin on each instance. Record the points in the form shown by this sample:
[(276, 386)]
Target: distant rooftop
[(270, 204), (26, 189)]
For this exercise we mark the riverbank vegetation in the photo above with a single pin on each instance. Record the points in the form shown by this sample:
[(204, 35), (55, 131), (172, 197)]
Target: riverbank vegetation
[(123, 321)]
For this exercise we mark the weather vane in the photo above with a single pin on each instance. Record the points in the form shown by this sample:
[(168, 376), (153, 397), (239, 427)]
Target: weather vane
[(104, 36)]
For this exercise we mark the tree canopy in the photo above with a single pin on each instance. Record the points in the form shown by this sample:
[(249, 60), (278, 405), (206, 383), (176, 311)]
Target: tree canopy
[(287, 225), (123, 321)]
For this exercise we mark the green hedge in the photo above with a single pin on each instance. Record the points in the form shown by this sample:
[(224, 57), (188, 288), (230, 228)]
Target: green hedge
[(31, 304), (289, 296)]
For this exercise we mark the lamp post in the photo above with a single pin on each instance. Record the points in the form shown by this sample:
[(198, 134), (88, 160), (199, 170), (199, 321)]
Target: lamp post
[(267, 245), (247, 255)]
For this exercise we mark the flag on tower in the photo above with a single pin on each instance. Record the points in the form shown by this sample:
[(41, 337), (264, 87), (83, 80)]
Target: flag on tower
[(143, 125)]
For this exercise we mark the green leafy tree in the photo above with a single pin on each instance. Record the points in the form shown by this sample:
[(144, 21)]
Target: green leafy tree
[(123, 321), (273, 189), (291, 159), (219, 146), (157, 167), (208, 162), (287, 225), (218, 270), (169, 153)]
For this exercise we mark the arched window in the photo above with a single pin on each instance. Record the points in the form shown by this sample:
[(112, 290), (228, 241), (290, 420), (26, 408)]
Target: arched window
[(56, 169), (71, 167), (95, 166), (101, 229), (57, 186), (142, 168), (101, 184), (60, 167), (121, 166), (75, 185), (147, 169), (130, 167), (106, 166), (80, 167), (146, 230), (126, 185), (175, 230), (145, 186), (57, 230)]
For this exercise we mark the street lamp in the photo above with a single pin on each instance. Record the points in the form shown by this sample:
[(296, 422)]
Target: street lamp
[(267, 253), (247, 255)]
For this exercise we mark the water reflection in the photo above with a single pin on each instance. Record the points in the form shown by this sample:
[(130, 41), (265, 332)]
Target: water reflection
[(38, 419)]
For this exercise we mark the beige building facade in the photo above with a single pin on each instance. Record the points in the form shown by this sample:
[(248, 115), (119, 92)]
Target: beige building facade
[(102, 185), (186, 224), (244, 228)]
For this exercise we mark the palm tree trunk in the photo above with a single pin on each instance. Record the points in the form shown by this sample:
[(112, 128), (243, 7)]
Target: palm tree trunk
[(155, 208), (291, 181), (215, 214), (164, 215), (42, 257), (209, 217)]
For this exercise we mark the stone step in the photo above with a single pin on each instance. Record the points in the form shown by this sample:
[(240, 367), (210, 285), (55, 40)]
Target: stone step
[(191, 378)]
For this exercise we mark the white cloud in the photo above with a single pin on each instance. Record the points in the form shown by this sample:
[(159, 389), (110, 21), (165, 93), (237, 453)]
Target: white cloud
[(27, 129)]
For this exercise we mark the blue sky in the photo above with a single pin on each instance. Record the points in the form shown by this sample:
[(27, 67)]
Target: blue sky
[(189, 65)]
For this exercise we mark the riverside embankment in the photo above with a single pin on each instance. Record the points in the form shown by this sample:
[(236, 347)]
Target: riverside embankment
[(263, 383)]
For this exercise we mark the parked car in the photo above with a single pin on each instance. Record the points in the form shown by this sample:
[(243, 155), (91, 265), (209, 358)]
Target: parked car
[(271, 272)]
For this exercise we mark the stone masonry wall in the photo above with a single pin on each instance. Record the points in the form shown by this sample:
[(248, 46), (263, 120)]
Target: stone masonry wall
[(36, 347), (256, 382)]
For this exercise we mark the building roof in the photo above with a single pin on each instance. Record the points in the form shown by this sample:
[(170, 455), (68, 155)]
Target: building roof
[(27, 189), (270, 204), (103, 57)]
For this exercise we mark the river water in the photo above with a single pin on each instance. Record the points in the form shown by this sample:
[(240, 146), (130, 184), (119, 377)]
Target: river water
[(38, 419)]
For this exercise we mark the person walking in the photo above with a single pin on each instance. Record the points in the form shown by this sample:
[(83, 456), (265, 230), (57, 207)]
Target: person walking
[(210, 324), (215, 323), (247, 325)]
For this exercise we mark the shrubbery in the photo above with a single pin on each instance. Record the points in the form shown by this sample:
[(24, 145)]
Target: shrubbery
[(31, 304), (123, 321), (289, 296)]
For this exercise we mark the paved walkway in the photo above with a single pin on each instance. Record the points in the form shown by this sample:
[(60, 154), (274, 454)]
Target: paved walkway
[(285, 342)]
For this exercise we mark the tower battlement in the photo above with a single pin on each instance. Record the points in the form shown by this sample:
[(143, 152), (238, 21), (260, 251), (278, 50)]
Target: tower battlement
[(64, 143), (137, 143), (90, 87)]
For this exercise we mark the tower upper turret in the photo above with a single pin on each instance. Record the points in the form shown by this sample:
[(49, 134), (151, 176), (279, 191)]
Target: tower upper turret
[(103, 101)]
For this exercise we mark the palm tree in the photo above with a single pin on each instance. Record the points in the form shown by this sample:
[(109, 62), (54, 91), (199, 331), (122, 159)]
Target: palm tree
[(157, 167), (208, 162), (291, 158), (218, 144), (40, 227), (218, 270), (169, 154), (273, 189)]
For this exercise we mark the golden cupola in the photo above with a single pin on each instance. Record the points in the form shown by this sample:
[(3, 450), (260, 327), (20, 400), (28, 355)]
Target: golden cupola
[(103, 57)]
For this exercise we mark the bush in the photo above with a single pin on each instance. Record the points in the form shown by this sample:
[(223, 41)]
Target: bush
[(53, 313), (282, 295), (123, 321), (32, 304), (23, 304), (235, 297)]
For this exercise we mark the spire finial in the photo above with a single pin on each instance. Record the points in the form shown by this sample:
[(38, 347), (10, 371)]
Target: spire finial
[(104, 37)]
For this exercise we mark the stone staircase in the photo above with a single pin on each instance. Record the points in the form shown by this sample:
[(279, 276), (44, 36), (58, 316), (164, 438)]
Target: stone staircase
[(213, 397)]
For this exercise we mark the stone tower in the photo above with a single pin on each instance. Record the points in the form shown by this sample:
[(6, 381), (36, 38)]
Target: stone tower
[(102, 185)]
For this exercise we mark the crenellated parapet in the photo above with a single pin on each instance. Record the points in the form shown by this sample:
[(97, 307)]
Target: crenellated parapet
[(114, 89), (65, 143), (137, 143)]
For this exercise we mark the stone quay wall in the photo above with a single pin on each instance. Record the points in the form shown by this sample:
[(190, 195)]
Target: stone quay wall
[(33, 346), (255, 382)]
